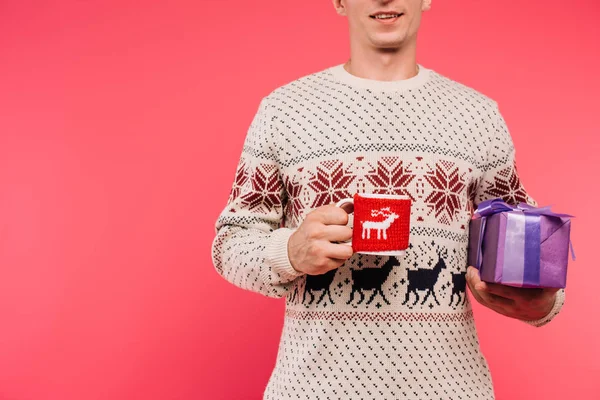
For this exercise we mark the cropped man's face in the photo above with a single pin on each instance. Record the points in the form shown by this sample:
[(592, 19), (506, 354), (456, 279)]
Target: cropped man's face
[(378, 32)]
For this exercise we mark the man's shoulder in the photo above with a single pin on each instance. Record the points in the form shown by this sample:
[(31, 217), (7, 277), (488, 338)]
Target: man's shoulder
[(308, 83), (456, 90)]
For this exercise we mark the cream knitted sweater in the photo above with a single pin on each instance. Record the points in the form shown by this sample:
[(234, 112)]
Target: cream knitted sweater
[(374, 328)]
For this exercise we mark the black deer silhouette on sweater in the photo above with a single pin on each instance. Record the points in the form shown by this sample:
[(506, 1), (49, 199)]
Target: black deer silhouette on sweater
[(459, 284), (371, 279), (319, 282), (294, 293), (425, 279)]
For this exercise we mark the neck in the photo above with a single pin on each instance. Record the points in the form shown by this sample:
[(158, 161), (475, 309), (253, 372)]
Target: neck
[(383, 64)]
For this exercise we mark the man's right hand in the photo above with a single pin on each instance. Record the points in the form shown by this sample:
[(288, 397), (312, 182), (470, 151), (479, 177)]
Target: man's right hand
[(312, 248)]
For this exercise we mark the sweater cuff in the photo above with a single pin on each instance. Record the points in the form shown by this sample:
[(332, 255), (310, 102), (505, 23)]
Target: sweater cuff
[(558, 303), (277, 259)]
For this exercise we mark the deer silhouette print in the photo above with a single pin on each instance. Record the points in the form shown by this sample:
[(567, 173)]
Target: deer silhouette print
[(380, 226), (318, 282), (425, 279), (371, 279), (294, 293), (459, 284)]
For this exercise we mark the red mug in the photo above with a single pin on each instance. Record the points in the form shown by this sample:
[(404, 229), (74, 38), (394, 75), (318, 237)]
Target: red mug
[(381, 223)]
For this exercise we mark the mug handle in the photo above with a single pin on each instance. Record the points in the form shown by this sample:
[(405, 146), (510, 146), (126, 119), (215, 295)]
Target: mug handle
[(340, 203)]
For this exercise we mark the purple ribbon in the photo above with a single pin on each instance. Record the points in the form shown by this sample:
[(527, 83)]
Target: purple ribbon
[(523, 227), (494, 206)]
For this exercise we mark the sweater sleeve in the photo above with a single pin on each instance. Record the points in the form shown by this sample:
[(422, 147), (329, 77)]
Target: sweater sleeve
[(501, 179), (250, 246)]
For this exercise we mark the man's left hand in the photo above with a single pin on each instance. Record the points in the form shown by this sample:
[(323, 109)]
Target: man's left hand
[(526, 304)]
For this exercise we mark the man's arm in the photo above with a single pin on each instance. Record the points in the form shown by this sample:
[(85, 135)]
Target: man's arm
[(501, 179), (250, 248)]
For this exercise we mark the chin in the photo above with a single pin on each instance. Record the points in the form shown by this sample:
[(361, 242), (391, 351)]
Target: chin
[(388, 39), (387, 44)]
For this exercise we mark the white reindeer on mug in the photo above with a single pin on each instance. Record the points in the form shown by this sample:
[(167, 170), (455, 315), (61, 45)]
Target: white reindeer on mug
[(380, 226)]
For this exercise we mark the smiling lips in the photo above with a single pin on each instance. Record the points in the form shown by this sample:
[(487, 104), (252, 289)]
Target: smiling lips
[(386, 17)]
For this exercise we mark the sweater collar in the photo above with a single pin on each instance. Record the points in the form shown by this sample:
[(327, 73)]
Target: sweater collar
[(340, 74)]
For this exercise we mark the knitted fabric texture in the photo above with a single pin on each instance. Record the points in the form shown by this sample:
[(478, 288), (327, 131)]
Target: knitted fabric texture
[(378, 327), (380, 224)]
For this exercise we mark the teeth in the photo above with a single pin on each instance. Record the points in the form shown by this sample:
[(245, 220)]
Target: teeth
[(383, 16)]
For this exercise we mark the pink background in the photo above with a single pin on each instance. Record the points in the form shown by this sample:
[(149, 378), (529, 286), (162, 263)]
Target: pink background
[(121, 123)]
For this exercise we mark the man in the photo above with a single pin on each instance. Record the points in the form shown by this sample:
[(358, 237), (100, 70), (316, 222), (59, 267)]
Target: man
[(379, 123)]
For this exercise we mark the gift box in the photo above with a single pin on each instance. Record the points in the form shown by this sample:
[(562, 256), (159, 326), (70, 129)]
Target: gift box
[(520, 246)]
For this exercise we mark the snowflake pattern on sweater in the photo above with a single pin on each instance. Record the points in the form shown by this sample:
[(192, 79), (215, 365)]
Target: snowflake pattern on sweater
[(377, 327)]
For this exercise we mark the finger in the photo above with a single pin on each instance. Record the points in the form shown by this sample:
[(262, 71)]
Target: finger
[(478, 288), (471, 285), (348, 207), (470, 277), (473, 276), (336, 233), (479, 285), (493, 299), (337, 262), (514, 293), (326, 265), (337, 251), (475, 293), (333, 263), (331, 215)]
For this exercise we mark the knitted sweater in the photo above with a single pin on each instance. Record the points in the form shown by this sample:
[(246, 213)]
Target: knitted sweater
[(373, 328)]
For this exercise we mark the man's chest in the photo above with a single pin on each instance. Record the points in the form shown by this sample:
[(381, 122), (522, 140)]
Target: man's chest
[(440, 187), (432, 155)]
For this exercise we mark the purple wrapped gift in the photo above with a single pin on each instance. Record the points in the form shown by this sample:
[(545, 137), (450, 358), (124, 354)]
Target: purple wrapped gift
[(520, 246)]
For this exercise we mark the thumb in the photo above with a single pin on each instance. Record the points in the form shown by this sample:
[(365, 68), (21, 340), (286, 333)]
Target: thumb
[(474, 279), (473, 275)]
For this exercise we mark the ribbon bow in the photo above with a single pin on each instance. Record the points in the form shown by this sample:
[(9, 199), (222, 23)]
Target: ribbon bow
[(494, 206)]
